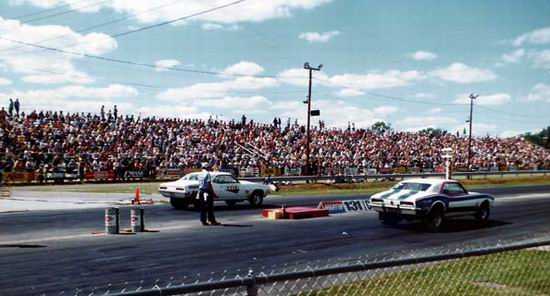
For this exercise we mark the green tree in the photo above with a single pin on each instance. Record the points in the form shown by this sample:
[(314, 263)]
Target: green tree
[(541, 138), (380, 127), (434, 132)]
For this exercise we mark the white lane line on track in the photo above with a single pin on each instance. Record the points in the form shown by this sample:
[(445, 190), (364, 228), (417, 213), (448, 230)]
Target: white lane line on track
[(192, 224), (523, 196), (248, 218)]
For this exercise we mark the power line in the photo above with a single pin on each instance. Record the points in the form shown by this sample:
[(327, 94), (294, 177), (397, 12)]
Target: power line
[(128, 62), (177, 19), (505, 112), (92, 27), (91, 4), (23, 16), (131, 31)]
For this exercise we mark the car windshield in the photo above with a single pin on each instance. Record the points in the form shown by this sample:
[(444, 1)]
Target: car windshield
[(412, 186), (190, 177)]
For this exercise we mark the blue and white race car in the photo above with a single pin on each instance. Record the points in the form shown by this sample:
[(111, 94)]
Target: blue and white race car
[(432, 200)]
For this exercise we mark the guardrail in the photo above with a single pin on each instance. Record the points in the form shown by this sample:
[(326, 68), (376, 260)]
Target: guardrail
[(287, 179), (282, 179), (357, 274)]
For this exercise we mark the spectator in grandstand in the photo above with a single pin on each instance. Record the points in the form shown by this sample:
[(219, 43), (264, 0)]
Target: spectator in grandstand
[(16, 106), (48, 141), (10, 108)]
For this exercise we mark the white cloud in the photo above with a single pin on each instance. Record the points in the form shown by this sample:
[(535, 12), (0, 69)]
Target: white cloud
[(212, 90), (513, 57), (299, 77), (539, 36), (424, 96), (510, 133), (318, 37), (250, 11), (388, 79), (4, 81), (416, 123), (72, 76), (349, 92), (165, 65), (423, 56), (76, 5), (76, 98), (171, 111), (385, 110), (485, 100), (540, 59), (435, 110), (220, 27), (464, 74), (237, 104), (540, 92), (336, 113), (211, 27), (478, 128), (352, 83), (244, 68), (46, 67)]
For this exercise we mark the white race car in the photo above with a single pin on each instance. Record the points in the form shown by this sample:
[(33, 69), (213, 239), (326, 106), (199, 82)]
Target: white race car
[(432, 200), (183, 192)]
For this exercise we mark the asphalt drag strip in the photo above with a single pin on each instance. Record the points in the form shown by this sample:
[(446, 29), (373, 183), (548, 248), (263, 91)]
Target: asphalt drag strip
[(64, 254)]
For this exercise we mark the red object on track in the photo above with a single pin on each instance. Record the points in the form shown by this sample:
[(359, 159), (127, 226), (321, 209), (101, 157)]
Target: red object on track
[(300, 213)]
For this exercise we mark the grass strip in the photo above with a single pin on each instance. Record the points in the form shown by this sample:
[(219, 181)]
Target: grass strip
[(299, 189), (525, 272)]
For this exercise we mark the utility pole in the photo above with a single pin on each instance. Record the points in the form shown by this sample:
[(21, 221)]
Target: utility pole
[(472, 98), (310, 69)]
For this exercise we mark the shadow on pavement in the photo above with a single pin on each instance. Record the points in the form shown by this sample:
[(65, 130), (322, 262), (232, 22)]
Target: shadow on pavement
[(23, 246), (453, 225)]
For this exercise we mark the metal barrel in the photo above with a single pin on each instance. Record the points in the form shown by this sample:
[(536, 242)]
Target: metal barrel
[(112, 221), (136, 219)]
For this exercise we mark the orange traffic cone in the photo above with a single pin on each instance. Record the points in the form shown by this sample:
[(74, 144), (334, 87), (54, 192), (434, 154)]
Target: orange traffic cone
[(137, 198)]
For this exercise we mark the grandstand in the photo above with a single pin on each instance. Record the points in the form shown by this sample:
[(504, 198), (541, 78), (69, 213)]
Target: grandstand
[(46, 144)]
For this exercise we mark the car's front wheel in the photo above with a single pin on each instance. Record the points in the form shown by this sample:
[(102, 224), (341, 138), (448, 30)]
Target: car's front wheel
[(483, 213), (256, 199), (434, 220), (179, 203)]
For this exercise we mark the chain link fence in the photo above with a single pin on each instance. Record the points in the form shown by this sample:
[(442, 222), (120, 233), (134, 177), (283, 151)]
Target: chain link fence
[(516, 268)]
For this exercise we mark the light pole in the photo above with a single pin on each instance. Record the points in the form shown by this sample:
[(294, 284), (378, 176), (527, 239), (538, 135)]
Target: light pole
[(310, 69), (447, 154), (472, 98)]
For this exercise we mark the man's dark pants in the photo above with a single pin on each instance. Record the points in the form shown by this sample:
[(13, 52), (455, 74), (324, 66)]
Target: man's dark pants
[(207, 207)]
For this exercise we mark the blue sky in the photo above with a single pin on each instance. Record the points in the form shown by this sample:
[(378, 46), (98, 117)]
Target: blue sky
[(412, 64)]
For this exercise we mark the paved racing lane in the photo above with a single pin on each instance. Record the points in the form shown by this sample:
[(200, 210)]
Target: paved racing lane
[(47, 252)]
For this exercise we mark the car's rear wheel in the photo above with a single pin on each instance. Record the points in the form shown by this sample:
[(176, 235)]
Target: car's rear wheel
[(179, 203), (230, 203), (435, 219), (256, 199), (483, 213)]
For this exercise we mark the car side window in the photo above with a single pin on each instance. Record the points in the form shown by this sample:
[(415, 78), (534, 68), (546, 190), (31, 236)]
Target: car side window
[(225, 179), (453, 189)]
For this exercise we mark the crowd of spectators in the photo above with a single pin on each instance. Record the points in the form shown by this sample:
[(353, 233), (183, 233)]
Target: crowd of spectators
[(50, 141)]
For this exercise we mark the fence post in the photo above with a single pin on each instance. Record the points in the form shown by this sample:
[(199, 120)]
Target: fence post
[(251, 286)]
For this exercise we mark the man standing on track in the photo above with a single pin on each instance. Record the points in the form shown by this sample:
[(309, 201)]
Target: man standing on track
[(206, 198)]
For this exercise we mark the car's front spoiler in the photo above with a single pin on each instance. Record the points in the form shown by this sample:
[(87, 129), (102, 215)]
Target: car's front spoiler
[(172, 194), (398, 210)]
